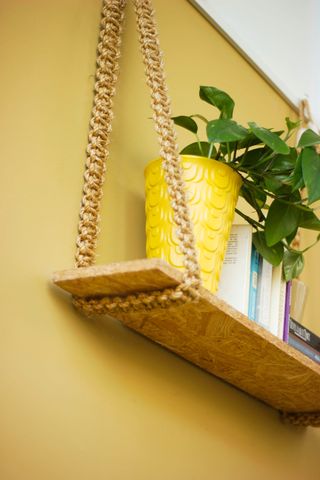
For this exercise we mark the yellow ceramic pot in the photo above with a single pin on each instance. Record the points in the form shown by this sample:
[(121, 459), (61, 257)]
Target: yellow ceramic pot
[(212, 190)]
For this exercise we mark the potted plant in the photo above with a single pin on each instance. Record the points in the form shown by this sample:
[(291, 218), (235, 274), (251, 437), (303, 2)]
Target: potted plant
[(255, 162)]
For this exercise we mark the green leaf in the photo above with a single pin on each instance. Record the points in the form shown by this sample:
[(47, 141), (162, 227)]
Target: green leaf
[(284, 163), (282, 219), (294, 197), (271, 139), (295, 180), (222, 130), (272, 254), (309, 220), (224, 147), (251, 158), (260, 197), (293, 263), (248, 141), (218, 99), (292, 125), (202, 150), (251, 140), (201, 117), (309, 138), (255, 198), (276, 184), (310, 162), (186, 122), (292, 235)]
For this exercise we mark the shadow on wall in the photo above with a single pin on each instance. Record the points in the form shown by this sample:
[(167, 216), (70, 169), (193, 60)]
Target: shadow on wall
[(134, 226), (171, 387)]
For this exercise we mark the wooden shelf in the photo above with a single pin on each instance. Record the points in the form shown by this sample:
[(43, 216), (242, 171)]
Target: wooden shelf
[(208, 333)]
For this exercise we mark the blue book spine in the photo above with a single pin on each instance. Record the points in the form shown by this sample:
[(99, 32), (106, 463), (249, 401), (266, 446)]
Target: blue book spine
[(254, 273)]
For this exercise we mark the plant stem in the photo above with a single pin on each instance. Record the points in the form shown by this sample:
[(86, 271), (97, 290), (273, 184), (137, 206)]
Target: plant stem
[(235, 152), (229, 152), (310, 246), (250, 220), (244, 156), (210, 149), (287, 247), (267, 156), (282, 200), (289, 134), (199, 145)]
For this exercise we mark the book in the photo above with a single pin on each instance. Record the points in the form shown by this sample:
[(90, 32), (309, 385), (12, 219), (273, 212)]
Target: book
[(253, 288), (285, 334), (277, 302), (298, 299), (235, 273), (264, 294), (303, 347), (295, 334), (282, 308), (304, 334)]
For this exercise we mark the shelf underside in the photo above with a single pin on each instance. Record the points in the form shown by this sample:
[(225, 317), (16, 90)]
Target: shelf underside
[(209, 333)]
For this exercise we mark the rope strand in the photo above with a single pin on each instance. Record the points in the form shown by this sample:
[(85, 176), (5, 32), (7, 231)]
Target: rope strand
[(152, 56), (97, 155), (303, 419), (100, 129), (101, 126)]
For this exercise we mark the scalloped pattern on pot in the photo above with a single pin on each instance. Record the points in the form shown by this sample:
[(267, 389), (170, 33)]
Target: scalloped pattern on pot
[(212, 192)]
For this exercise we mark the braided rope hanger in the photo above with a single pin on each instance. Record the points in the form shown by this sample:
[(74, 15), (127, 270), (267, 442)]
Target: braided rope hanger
[(97, 154)]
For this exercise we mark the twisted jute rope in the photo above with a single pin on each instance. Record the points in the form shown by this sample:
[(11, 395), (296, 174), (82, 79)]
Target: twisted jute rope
[(303, 419), (97, 154), (108, 53)]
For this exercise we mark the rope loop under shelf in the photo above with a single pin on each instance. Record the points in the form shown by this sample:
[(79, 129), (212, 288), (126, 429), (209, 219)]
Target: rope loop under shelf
[(139, 302), (301, 419)]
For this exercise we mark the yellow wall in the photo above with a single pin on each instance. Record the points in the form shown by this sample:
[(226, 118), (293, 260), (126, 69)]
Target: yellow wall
[(80, 400), (311, 277)]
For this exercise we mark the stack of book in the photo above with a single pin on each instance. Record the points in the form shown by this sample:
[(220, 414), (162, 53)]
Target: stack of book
[(257, 289), (299, 336), (303, 340)]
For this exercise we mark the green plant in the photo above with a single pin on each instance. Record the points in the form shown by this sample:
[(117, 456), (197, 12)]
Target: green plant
[(273, 175)]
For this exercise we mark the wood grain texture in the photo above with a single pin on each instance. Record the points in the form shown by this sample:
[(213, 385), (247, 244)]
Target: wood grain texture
[(208, 333), (118, 278)]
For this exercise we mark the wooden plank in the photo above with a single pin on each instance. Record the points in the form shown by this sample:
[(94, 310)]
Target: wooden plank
[(118, 278), (210, 334)]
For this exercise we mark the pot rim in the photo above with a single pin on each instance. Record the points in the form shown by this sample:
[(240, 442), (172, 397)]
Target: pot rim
[(195, 159)]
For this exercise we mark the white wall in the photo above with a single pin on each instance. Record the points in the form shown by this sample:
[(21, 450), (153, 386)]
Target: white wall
[(281, 37)]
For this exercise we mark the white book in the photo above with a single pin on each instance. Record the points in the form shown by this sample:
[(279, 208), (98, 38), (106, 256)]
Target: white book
[(298, 299), (264, 294), (235, 274), (277, 305)]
